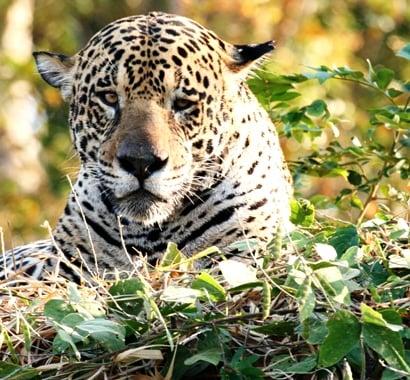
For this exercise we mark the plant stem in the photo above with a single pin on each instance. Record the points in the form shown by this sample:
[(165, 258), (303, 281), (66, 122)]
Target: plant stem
[(369, 198)]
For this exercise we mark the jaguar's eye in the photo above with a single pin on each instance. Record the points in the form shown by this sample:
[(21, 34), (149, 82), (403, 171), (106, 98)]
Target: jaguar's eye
[(109, 98), (182, 104)]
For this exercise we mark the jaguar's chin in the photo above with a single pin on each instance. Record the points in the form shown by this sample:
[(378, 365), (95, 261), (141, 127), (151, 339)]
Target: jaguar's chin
[(144, 207)]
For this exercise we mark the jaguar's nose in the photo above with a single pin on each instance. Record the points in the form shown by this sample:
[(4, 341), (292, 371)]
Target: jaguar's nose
[(139, 160)]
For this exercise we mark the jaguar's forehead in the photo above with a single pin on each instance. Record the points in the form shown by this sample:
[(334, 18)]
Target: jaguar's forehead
[(152, 36), (152, 52)]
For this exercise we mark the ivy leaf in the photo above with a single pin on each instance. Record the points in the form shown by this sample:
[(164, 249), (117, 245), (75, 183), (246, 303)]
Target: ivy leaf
[(344, 333), (344, 238), (404, 52)]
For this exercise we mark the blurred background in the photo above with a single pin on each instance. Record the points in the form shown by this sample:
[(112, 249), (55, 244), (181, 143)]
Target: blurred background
[(35, 149)]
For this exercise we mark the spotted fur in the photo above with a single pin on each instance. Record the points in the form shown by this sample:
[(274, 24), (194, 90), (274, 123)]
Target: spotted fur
[(173, 147)]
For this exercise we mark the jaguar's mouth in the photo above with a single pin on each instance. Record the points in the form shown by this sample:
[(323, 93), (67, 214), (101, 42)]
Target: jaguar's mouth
[(142, 195), (142, 205)]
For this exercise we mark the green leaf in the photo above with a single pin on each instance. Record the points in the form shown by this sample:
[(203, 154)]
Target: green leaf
[(11, 371), (74, 296), (387, 343), (389, 374), (344, 238), (172, 256), (314, 330), (354, 178), (127, 296), (344, 333), (246, 286), (289, 95), (57, 309), (288, 365), (213, 288), (393, 93), (404, 52), (212, 355), (244, 365), (331, 280), (306, 299), (304, 366), (302, 212), (356, 202), (347, 72), (352, 255), (371, 316), (109, 334), (72, 320), (376, 273), (277, 328), (317, 108), (63, 341), (383, 77)]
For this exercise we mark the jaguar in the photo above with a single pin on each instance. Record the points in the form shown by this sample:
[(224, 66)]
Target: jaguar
[(173, 146)]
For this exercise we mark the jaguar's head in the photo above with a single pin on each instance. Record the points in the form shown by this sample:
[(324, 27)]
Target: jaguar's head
[(151, 108)]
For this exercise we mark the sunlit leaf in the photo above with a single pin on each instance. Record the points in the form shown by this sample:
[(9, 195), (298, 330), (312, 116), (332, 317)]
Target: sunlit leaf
[(180, 294), (302, 212), (237, 273), (207, 283)]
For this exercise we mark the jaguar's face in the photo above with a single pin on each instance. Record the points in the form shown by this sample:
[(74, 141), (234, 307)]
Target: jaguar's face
[(148, 109)]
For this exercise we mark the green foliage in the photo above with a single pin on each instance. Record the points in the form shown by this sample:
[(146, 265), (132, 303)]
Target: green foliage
[(330, 296), (343, 335), (77, 325), (355, 162)]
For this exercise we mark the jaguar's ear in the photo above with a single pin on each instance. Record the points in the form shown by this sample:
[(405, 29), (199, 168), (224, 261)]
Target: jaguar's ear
[(56, 70), (245, 56)]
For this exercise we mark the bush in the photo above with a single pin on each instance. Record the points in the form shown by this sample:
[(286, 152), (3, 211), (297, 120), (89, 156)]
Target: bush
[(329, 299)]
